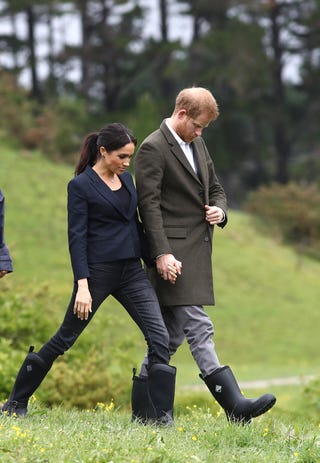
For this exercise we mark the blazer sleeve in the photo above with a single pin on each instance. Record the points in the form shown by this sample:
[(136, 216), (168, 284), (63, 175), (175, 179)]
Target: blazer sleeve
[(77, 229), (5, 258)]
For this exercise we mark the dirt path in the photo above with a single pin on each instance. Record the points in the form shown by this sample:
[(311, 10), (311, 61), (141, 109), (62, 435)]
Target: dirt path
[(263, 383)]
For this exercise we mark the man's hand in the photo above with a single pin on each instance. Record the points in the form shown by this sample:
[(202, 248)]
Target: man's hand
[(214, 214), (168, 267)]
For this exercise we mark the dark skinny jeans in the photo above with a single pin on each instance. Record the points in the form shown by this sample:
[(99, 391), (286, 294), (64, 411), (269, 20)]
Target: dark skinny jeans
[(127, 282)]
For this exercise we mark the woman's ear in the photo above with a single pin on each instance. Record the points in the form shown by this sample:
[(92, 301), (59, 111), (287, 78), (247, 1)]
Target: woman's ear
[(102, 151)]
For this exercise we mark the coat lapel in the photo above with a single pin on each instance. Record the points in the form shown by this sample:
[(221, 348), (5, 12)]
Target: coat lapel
[(200, 161), (178, 153)]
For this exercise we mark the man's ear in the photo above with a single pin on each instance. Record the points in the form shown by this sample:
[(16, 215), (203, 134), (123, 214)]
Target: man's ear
[(181, 113)]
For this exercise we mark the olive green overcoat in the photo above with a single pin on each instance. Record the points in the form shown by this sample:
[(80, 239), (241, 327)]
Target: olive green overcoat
[(171, 199)]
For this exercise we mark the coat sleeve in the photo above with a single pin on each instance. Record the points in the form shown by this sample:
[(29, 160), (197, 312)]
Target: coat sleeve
[(217, 196), (149, 171), (5, 258), (77, 229)]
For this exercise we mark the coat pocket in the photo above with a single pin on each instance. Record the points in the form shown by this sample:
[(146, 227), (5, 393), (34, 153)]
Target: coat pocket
[(175, 232)]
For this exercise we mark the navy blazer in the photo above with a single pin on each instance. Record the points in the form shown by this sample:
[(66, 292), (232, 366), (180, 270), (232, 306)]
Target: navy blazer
[(100, 227), (5, 258)]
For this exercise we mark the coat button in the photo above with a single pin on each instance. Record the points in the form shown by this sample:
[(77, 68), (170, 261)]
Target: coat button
[(206, 238)]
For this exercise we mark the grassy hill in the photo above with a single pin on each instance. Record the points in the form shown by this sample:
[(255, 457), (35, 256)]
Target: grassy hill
[(266, 315)]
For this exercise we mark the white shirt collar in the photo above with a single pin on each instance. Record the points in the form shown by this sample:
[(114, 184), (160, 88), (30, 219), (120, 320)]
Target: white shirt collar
[(186, 147), (174, 133)]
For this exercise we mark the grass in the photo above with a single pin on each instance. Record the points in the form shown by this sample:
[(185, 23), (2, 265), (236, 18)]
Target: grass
[(106, 435), (266, 319)]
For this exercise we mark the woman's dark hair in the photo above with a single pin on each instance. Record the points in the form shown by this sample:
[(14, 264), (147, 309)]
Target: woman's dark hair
[(112, 137)]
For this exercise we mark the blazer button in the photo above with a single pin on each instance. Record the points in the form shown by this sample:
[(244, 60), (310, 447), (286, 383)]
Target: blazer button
[(206, 238)]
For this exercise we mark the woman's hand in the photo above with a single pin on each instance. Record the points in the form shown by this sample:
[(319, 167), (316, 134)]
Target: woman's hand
[(82, 304)]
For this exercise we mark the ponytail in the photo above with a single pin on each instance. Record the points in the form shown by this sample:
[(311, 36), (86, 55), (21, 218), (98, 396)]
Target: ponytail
[(88, 154)]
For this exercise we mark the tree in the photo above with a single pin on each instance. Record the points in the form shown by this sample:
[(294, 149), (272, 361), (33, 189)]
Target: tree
[(288, 25)]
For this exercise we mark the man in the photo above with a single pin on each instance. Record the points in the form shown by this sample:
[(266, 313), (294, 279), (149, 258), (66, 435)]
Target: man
[(180, 200), (5, 258)]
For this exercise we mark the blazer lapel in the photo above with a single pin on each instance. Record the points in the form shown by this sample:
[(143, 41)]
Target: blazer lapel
[(108, 195), (127, 181)]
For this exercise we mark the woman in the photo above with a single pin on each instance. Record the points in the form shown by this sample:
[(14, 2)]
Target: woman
[(5, 258), (105, 243)]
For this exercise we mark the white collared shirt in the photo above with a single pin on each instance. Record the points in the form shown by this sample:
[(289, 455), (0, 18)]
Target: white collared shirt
[(186, 147)]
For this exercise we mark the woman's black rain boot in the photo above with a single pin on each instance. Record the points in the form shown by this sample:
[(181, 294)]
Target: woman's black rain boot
[(140, 402), (161, 390), (153, 395), (32, 372)]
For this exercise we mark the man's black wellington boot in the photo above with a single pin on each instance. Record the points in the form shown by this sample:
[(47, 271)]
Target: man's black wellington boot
[(225, 389)]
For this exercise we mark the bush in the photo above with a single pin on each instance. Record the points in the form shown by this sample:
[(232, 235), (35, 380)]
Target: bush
[(17, 112), (21, 324), (290, 211)]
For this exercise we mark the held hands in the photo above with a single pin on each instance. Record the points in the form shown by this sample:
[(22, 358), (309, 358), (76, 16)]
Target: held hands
[(214, 214), (168, 267), (83, 301)]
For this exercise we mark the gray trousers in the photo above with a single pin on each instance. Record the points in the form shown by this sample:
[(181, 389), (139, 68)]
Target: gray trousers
[(193, 323)]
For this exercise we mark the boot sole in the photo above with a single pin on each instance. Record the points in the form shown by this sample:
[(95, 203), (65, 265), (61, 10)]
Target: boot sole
[(242, 419), (265, 408)]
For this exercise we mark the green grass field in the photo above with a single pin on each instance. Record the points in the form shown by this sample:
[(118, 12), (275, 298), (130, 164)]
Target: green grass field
[(266, 319)]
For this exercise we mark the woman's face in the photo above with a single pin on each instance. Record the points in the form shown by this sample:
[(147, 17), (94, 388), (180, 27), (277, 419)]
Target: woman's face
[(117, 161)]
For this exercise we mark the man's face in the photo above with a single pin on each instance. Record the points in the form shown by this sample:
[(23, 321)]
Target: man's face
[(188, 128)]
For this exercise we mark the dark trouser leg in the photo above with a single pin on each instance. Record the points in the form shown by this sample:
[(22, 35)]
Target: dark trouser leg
[(224, 387), (152, 395), (138, 297), (36, 365), (72, 326)]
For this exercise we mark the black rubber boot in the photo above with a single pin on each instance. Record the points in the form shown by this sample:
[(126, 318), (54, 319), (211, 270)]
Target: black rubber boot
[(153, 396), (161, 389), (32, 372), (224, 387), (141, 406)]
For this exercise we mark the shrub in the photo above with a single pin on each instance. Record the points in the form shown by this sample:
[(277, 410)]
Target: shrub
[(307, 402), (21, 324), (290, 211)]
